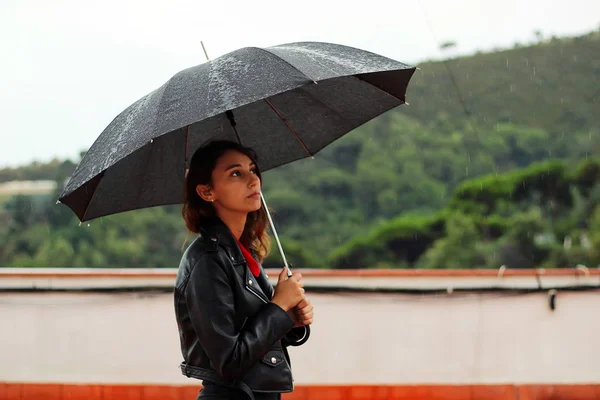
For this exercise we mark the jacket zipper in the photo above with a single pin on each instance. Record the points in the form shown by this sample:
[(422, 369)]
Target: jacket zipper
[(256, 294)]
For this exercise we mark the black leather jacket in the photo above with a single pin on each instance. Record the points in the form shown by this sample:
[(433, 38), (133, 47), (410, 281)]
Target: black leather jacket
[(230, 332)]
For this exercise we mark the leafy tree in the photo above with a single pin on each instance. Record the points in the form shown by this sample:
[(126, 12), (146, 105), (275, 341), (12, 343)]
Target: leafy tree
[(460, 248)]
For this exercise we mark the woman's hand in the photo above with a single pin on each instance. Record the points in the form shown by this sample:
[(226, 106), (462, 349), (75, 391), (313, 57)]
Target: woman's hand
[(289, 292), (303, 313)]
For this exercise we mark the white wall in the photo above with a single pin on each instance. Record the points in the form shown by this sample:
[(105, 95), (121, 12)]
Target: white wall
[(395, 339)]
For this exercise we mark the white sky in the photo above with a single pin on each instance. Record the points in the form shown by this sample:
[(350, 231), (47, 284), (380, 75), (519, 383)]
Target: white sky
[(69, 67)]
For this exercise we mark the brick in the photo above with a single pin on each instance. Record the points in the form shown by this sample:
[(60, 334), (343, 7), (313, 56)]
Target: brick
[(41, 391), (493, 392), (161, 392), (416, 392), (10, 391), (449, 392), (328, 392), (122, 392), (82, 392)]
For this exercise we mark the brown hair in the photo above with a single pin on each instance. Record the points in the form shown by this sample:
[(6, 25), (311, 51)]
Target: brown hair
[(202, 164)]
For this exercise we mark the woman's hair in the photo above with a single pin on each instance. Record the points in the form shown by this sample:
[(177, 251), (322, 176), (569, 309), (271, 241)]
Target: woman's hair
[(203, 163)]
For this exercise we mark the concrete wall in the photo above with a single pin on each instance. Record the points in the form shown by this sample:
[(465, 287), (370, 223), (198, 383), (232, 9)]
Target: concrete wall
[(356, 338)]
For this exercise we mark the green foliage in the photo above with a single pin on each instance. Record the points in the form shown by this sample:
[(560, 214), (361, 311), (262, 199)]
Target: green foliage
[(543, 182), (399, 241), (526, 242), (425, 185), (295, 254), (514, 219), (37, 171), (460, 248)]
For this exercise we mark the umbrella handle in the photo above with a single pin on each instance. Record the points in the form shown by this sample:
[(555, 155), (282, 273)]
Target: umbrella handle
[(285, 263)]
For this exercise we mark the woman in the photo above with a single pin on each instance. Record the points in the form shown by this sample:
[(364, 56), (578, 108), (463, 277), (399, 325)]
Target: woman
[(234, 328)]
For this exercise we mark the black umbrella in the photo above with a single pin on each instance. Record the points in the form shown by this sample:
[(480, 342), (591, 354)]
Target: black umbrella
[(287, 102)]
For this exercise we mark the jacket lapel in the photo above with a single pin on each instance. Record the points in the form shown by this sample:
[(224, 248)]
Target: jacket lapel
[(264, 283), (214, 228), (254, 285)]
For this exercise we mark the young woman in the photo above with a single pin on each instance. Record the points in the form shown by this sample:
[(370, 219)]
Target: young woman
[(234, 327)]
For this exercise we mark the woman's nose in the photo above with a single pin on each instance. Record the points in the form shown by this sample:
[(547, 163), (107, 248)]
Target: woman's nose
[(253, 180)]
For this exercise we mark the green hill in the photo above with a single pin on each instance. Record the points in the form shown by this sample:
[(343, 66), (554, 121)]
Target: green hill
[(554, 85)]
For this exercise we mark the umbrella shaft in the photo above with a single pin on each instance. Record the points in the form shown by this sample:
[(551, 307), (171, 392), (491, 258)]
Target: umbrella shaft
[(285, 263)]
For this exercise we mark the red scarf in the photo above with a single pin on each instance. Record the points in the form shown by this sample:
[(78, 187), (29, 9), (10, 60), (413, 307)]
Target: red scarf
[(252, 263)]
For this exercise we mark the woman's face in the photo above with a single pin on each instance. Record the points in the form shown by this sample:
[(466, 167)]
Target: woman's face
[(235, 184)]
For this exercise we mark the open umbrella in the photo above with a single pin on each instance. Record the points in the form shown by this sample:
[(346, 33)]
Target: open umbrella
[(287, 102)]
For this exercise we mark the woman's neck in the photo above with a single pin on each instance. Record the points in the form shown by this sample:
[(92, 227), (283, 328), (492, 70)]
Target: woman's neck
[(236, 222)]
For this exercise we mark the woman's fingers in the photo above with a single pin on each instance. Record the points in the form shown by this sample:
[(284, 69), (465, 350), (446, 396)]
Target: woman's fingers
[(304, 303), (306, 309), (283, 275), (305, 315), (307, 319)]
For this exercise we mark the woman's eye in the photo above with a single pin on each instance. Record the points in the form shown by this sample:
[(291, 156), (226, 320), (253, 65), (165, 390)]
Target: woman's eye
[(237, 172)]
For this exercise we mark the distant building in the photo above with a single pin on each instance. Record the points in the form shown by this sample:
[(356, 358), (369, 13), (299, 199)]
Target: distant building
[(27, 187)]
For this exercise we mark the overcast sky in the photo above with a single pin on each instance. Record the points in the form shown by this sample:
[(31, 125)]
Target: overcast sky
[(69, 67)]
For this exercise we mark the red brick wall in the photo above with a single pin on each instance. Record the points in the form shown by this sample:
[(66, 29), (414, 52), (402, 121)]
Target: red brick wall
[(29, 391)]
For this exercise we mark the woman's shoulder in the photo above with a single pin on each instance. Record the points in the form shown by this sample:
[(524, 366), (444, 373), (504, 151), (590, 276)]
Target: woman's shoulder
[(201, 248), (199, 259), (213, 245)]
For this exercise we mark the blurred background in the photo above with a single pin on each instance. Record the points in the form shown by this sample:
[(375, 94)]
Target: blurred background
[(452, 246)]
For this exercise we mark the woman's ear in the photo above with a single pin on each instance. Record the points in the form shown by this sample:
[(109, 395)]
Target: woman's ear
[(205, 193)]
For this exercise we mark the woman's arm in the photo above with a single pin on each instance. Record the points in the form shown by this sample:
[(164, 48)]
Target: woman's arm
[(211, 306)]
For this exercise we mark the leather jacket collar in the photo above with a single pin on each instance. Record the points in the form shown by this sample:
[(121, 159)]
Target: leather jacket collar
[(216, 235)]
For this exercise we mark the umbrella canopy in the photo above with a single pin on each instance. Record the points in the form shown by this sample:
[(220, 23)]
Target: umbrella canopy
[(287, 102)]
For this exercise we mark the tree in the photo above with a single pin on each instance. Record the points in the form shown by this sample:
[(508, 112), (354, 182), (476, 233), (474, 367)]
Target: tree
[(458, 249)]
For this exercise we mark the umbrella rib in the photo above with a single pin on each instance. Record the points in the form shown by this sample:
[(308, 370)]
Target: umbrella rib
[(280, 115), (287, 62), (187, 148), (382, 90), (93, 195)]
